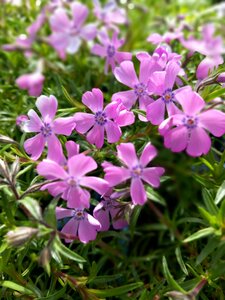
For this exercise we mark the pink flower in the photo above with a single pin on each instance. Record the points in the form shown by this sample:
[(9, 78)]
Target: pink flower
[(67, 34), (167, 37), (81, 224), (47, 128), (126, 74), (109, 50), (110, 210), (110, 14), (71, 179), (161, 83), (186, 130), (136, 169), (21, 121), (210, 46), (32, 82), (109, 119)]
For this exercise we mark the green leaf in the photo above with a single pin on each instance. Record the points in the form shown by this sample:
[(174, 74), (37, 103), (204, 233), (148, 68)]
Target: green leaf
[(209, 201), (66, 252), (215, 94), (180, 260), (49, 213), (16, 287), (220, 193), (33, 207), (171, 281), (70, 99), (116, 291), (155, 196), (209, 248), (199, 234), (211, 219), (55, 296)]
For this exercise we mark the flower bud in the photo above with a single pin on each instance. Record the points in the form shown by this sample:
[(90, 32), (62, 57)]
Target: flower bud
[(20, 235), (221, 78)]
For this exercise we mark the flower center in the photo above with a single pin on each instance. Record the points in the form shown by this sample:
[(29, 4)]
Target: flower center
[(168, 96), (140, 89), (190, 122), (46, 129), (100, 118), (136, 171), (72, 181), (79, 214), (111, 51)]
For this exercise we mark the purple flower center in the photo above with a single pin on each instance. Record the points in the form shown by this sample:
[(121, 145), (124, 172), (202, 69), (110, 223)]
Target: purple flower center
[(100, 118), (140, 89), (111, 51), (72, 181), (108, 203), (79, 214), (190, 122), (46, 130), (168, 96), (136, 171)]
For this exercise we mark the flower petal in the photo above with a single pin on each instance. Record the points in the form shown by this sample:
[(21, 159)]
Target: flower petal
[(190, 101), (176, 139), (156, 112), (88, 229), (214, 121), (62, 213), (84, 122), (71, 228), (97, 184), (99, 50), (64, 126), (128, 98), (148, 154), (80, 13), (152, 175), (126, 153), (80, 164), (102, 215), (50, 169), (47, 107), (199, 142), (115, 175), (35, 146), (172, 71), (126, 74), (96, 136), (93, 100), (77, 197), (72, 148), (34, 124), (113, 132), (137, 192)]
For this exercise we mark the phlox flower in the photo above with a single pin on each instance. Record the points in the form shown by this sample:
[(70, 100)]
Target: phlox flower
[(67, 33), (110, 210), (109, 50), (81, 224), (47, 128), (71, 179), (21, 121), (126, 74), (211, 46), (108, 119), (134, 169), (110, 14), (32, 82), (187, 129), (161, 83)]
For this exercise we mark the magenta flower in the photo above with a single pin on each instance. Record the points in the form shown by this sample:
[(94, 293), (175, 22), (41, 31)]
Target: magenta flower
[(110, 210), (161, 83), (32, 82), (187, 130), (210, 46), (109, 119), (126, 74), (81, 224), (67, 34), (47, 128), (135, 169), (109, 50), (72, 179)]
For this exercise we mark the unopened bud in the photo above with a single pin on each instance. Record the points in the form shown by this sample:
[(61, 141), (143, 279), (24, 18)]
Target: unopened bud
[(20, 235), (221, 78)]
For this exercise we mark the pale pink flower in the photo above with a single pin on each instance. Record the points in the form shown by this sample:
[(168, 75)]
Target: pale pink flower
[(109, 50), (187, 130), (81, 224), (71, 180), (134, 169), (67, 34), (108, 119), (32, 82), (47, 128)]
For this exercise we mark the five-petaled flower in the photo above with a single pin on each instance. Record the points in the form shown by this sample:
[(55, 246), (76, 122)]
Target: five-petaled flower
[(135, 169)]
